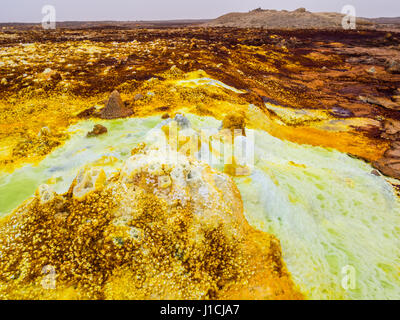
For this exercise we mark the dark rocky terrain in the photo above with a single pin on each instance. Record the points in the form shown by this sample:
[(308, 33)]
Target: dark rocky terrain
[(353, 74)]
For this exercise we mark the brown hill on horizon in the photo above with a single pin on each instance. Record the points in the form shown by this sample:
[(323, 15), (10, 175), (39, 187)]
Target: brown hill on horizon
[(273, 19)]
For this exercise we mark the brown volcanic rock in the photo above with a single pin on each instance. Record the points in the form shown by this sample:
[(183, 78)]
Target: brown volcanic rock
[(87, 113), (393, 153), (381, 101), (393, 66), (98, 129), (388, 166), (391, 129), (115, 108)]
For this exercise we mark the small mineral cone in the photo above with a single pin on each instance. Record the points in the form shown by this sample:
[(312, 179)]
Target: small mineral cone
[(234, 120), (115, 108)]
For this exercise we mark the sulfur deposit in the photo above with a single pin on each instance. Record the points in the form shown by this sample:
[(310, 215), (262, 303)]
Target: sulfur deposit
[(119, 177), (156, 230)]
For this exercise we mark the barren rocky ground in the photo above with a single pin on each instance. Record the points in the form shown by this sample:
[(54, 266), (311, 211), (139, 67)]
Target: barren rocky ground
[(351, 75), (116, 220)]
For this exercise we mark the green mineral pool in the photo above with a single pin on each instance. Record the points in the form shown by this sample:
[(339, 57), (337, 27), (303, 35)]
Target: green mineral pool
[(329, 212)]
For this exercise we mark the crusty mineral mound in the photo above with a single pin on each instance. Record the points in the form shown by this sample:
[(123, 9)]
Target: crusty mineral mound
[(115, 108), (235, 121), (158, 229)]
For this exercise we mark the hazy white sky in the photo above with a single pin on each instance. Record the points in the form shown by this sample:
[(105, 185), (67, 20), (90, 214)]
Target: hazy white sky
[(125, 10)]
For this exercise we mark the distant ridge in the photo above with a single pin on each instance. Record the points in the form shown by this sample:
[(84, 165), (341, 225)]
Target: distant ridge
[(386, 20), (112, 24), (273, 19)]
